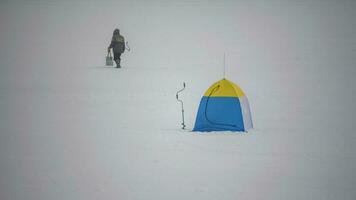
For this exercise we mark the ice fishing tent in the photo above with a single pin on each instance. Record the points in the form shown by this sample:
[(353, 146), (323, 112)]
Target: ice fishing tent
[(224, 107)]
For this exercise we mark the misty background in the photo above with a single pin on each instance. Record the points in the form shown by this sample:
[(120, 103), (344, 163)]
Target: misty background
[(295, 60)]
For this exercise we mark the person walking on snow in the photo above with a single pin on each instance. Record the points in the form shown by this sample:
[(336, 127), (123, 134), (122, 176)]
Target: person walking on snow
[(118, 46)]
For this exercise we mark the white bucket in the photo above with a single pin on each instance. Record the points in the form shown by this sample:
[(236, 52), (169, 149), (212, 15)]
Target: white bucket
[(109, 60)]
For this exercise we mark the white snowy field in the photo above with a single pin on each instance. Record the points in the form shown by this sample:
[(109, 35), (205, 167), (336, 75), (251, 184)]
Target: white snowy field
[(71, 128)]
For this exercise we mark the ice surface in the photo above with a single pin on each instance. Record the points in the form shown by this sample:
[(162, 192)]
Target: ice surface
[(71, 128)]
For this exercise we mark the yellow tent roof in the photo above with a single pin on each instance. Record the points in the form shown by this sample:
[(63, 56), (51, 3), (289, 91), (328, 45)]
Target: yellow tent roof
[(224, 88)]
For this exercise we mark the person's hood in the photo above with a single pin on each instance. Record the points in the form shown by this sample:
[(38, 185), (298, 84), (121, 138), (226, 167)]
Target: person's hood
[(116, 32)]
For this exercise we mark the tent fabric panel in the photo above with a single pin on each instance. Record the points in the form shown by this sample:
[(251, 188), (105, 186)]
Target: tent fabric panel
[(219, 114), (224, 88), (246, 113)]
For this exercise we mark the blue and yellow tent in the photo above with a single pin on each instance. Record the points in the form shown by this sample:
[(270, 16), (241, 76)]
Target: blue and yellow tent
[(224, 107)]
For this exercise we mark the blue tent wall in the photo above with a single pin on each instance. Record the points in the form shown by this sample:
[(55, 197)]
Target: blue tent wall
[(219, 114)]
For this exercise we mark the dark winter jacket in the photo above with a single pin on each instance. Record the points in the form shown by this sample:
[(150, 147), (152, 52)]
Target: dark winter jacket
[(117, 43)]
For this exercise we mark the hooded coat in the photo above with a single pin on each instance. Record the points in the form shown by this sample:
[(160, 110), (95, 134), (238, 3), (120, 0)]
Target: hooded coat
[(117, 42)]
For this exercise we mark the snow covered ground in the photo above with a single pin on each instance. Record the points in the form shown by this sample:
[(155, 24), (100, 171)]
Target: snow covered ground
[(71, 128)]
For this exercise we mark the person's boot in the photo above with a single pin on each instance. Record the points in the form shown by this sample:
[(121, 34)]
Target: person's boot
[(117, 63)]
